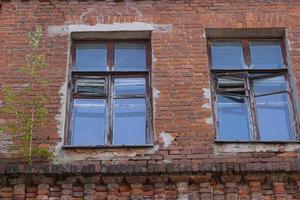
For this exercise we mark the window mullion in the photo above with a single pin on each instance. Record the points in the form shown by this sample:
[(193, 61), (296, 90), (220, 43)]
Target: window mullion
[(109, 123), (149, 139), (109, 115), (246, 52), (110, 55), (292, 107), (253, 123)]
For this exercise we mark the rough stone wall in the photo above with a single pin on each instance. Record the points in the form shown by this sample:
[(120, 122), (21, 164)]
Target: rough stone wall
[(182, 187)]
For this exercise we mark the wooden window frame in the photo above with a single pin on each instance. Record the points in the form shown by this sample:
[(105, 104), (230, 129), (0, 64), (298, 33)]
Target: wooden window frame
[(109, 75), (246, 72)]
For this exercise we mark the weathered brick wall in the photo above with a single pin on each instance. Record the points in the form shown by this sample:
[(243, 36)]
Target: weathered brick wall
[(206, 186), (183, 129), (182, 113)]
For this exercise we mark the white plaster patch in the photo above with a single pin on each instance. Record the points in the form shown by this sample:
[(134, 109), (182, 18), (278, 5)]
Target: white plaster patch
[(135, 26), (57, 31), (60, 118), (289, 44), (244, 148), (204, 35), (206, 93), (166, 138), (154, 149), (167, 161), (206, 105), (156, 93), (208, 120), (102, 156)]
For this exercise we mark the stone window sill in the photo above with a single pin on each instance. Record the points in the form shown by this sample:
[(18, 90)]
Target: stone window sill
[(106, 146), (256, 142)]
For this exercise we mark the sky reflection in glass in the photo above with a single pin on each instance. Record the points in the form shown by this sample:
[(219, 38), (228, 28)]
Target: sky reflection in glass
[(130, 122), (88, 122)]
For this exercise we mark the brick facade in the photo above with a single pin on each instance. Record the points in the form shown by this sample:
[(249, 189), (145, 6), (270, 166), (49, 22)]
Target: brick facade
[(185, 162)]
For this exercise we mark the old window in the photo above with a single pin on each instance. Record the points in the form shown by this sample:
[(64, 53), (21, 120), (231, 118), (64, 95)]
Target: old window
[(109, 93), (252, 94)]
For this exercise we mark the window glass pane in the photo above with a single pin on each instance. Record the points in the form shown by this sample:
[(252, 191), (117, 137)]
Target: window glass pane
[(129, 86), (129, 122), (130, 57), (90, 86), (269, 85), (88, 122), (91, 57), (266, 55), (274, 119), (227, 55), (232, 118)]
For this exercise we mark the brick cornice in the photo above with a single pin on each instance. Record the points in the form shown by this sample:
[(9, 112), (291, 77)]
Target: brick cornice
[(136, 169)]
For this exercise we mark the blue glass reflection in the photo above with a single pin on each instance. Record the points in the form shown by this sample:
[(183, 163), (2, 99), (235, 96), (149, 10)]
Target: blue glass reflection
[(88, 122), (130, 122), (232, 118), (269, 85), (130, 57), (91, 57), (227, 55), (129, 86), (266, 55), (273, 115)]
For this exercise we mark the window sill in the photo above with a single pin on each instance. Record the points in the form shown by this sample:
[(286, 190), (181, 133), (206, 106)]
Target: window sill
[(106, 146), (256, 142)]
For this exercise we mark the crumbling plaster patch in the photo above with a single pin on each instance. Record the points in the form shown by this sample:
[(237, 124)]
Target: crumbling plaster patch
[(207, 95), (156, 94), (208, 120), (167, 161), (60, 118), (253, 147), (167, 139)]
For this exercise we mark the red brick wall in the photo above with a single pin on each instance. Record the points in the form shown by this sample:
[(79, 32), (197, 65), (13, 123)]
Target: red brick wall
[(179, 73)]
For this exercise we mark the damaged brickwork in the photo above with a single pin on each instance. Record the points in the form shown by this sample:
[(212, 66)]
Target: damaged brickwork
[(204, 186), (183, 122)]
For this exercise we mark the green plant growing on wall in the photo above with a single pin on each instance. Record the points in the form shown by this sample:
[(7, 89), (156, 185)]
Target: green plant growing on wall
[(25, 107)]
